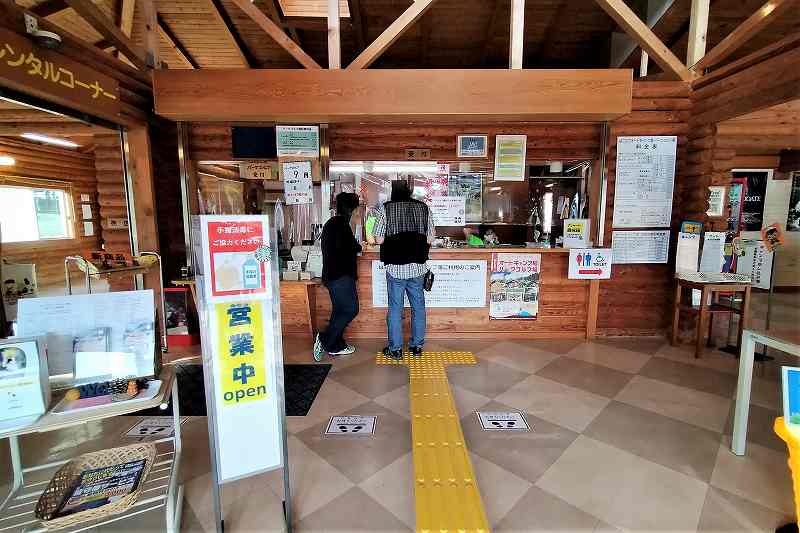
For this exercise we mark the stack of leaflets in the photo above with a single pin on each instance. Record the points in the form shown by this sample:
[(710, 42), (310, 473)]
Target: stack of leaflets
[(101, 486)]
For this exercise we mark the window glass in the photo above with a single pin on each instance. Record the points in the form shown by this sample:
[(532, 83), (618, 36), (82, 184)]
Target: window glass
[(29, 214)]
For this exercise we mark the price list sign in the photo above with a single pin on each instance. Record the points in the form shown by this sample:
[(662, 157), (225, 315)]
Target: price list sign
[(297, 185), (644, 181)]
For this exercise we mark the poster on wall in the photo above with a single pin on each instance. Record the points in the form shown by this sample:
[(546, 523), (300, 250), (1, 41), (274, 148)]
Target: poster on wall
[(514, 286), (755, 192), (716, 201), (645, 178), (640, 246), (448, 210), (470, 186), (297, 141), (471, 145), (735, 195), (297, 182), (509, 157), (590, 263), (437, 186), (241, 352), (458, 283), (793, 218), (757, 263)]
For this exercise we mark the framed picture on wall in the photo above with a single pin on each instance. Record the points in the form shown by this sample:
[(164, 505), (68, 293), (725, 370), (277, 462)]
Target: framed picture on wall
[(471, 145)]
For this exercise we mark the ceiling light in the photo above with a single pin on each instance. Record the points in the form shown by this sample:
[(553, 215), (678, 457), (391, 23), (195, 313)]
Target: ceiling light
[(49, 140), (7, 161)]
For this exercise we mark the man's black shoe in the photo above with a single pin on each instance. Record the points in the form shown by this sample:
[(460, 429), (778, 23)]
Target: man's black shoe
[(397, 355), (416, 351)]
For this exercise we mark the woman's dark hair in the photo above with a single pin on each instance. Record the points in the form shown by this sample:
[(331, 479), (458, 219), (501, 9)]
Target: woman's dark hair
[(400, 191), (346, 203)]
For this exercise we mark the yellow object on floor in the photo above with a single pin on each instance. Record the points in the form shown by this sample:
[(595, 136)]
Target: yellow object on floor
[(445, 489), (792, 440)]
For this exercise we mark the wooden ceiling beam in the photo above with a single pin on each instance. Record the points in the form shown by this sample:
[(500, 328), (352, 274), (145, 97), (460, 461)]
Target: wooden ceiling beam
[(488, 37), (748, 29), (354, 6), (222, 18), (274, 31), (395, 30), (14, 129), (698, 28), (169, 37), (92, 14), (276, 14), (642, 34), (50, 7)]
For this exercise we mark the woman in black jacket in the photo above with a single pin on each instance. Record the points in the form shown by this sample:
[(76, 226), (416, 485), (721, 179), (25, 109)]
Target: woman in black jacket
[(339, 260)]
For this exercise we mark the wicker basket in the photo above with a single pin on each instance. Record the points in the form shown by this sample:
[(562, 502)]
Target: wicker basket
[(66, 477)]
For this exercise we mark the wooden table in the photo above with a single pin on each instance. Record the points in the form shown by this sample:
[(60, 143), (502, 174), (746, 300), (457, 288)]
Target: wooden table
[(708, 307), (785, 341), (298, 307)]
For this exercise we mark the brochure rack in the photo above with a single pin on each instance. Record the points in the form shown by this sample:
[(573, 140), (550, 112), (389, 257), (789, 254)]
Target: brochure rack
[(160, 490)]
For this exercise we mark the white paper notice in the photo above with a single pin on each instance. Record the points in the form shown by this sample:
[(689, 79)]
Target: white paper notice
[(645, 178), (86, 212), (712, 258), (448, 210), (456, 284), (297, 185), (640, 246), (716, 201), (757, 263), (688, 252)]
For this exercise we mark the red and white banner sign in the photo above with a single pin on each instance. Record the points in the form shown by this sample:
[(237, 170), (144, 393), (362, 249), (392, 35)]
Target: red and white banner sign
[(235, 268)]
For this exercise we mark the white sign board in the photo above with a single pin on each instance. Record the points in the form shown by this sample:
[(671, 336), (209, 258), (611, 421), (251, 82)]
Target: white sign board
[(255, 170), (503, 421), (457, 283), (590, 263), (297, 184), (24, 384), (509, 157), (757, 263), (576, 232), (640, 246), (687, 253), (242, 359), (355, 425), (713, 256), (448, 210), (644, 181)]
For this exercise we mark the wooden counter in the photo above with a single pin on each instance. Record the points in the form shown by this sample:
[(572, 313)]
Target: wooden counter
[(563, 303)]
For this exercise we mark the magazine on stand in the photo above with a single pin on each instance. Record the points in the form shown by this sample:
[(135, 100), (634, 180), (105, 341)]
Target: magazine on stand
[(101, 486)]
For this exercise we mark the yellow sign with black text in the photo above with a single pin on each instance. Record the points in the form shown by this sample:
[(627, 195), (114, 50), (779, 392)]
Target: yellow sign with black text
[(243, 374)]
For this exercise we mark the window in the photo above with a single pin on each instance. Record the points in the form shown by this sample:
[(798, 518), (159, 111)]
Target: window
[(34, 214)]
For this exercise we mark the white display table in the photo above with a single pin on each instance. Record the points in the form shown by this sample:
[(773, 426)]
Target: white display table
[(159, 490)]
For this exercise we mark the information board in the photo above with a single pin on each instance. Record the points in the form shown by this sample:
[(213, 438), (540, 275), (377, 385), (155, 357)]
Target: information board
[(457, 284), (757, 263), (509, 157), (645, 177), (640, 246), (241, 353), (297, 182), (297, 141), (448, 210)]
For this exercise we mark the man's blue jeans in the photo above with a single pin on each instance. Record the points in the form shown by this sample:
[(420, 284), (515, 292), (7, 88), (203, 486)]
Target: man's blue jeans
[(394, 318)]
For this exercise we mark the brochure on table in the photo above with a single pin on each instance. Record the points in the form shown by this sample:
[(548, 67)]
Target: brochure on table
[(24, 384), (757, 263), (94, 337), (240, 320)]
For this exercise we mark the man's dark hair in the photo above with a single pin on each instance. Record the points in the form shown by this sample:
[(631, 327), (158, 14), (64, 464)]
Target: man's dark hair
[(346, 203), (401, 191)]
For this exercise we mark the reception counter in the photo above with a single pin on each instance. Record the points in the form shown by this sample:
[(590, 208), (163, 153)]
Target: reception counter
[(564, 304)]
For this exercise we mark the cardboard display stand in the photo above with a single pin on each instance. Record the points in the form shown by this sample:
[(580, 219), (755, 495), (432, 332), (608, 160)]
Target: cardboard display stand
[(239, 309)]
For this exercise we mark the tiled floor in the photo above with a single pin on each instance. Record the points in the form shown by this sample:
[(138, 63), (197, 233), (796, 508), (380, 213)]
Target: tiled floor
[(627, 435)]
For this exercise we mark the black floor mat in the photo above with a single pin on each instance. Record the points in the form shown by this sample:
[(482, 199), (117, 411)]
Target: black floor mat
[(301, 385)]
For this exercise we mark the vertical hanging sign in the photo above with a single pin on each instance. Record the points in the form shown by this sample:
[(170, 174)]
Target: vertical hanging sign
[(241, 351)]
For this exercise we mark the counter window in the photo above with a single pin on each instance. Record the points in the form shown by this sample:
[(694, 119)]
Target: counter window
[(529, 211)]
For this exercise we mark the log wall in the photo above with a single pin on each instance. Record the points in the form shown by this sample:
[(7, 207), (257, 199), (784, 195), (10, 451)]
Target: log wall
[(111, 191), (58, 164), (637, 300)]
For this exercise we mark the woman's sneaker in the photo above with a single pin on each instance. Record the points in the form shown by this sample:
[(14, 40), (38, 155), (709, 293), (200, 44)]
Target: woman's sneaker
[(347, 350), (317, 349)]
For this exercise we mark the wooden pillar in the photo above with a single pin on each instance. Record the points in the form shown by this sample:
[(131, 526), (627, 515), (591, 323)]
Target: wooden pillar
[(150, 34), (517, 39), (698, 26)]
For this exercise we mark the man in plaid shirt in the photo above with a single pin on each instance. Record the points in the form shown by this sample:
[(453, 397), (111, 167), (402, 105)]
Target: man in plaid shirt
[(404, 228)]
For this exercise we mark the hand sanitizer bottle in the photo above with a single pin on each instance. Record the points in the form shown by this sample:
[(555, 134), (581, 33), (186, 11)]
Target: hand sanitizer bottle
[(251, 274)]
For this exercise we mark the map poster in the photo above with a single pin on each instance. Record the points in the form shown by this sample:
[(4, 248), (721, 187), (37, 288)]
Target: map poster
[(514, 286)]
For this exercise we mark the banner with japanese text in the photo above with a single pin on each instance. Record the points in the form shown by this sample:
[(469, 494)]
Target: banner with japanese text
[(242, 362), (514, 286)]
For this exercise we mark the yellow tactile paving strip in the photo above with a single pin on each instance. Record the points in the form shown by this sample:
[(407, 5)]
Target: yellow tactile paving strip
[(447, 496)]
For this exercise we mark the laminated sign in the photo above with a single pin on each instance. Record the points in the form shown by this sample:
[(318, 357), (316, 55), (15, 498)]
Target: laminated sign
[(242, 363)]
